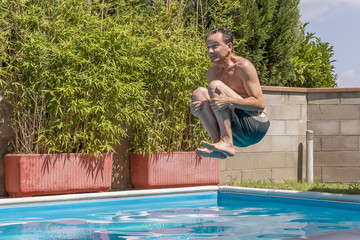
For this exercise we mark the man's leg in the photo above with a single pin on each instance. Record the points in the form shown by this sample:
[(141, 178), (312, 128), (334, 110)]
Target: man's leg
[(223, 117), (200, 107)]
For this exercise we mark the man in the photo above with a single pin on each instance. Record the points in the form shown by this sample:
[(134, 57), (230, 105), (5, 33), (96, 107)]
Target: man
[(232, 108)]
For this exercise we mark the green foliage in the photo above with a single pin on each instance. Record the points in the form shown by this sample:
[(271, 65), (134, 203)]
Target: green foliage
[(178, 66), (270, 35), (265, 32), (81, 75), (72, 75), (314, 64)]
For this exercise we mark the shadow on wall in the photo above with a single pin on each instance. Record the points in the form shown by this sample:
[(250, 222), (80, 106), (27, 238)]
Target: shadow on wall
[(300, 162), (6, 135)]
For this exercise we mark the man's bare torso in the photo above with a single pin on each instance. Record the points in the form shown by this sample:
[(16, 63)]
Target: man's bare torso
[(232, 75)]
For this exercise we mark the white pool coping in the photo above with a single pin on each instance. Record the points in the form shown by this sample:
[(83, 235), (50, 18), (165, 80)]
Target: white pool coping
[(165, 191), (293, 194)]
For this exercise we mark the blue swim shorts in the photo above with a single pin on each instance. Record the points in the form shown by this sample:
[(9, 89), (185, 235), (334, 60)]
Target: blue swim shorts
[(248, 127)]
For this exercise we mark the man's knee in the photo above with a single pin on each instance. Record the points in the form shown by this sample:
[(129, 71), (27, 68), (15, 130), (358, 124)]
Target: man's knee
[(200, 94), (215, 84)]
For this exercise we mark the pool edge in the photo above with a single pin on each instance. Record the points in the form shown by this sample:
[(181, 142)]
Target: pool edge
[(164, 191), (293, 194), (104, 195)]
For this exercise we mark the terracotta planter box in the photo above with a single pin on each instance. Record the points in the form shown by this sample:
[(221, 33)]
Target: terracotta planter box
[(41, 174), (173, 169)]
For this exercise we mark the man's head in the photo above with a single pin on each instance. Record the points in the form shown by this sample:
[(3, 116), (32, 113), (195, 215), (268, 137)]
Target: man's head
[(227, 35), (220, 44)]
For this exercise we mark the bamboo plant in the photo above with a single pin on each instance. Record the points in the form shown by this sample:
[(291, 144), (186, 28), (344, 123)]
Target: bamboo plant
[(82, 75), (178, 63), (72, 75)]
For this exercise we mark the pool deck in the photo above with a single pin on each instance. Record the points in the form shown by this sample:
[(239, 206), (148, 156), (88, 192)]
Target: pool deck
[(343, 235)]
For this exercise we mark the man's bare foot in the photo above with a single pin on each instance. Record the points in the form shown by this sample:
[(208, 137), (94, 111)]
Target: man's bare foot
[(221, 146), (204, 152)]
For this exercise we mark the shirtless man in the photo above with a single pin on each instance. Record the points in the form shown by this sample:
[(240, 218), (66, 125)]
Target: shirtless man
[(232, 108)]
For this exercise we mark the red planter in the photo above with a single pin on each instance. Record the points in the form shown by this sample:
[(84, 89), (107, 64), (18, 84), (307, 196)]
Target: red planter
[(173, 169), (42, 174)]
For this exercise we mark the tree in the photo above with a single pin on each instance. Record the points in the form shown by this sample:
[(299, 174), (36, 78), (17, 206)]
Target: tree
[(269, 33), (313, 63), (265, 32)]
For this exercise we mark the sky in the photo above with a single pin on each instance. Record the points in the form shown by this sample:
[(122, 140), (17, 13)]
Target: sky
[(338, 23)]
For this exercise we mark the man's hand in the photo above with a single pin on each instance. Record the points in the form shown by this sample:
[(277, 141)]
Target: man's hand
[(220, 102), (196, 107)]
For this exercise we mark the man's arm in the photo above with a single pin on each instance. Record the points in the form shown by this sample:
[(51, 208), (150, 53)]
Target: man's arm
[(255, 100)]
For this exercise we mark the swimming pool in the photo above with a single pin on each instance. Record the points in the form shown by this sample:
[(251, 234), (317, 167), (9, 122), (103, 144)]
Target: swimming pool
[(184, 213)]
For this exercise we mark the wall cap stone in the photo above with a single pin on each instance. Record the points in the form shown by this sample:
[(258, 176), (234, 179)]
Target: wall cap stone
[(308, 90)]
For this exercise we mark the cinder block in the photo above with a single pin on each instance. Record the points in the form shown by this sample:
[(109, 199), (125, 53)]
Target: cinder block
[(242, 161), (295, 159), (327, 159), (271, 112), (350, 158), (350, 127), (230, 177), (317, 143), (272, 160), (336, 143), (295, 127), (286, 112), (277, 127), (323, 98), (338, 112), (238, 150), (350, 98), (255, 175), (302, 137), (296, 98), (274, 98), (341, 174), (284, 143), (263, 146), (317, 173), (223, 164), (283, 174), (313, 112), (325, 127), (303, 113)]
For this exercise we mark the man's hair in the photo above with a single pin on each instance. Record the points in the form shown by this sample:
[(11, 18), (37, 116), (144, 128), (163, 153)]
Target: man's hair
[(227, 35)]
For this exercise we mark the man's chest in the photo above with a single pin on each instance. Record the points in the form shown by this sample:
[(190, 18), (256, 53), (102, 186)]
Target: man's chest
[(230, 78)]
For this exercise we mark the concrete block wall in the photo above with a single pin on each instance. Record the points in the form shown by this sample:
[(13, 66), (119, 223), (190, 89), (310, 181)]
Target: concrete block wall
[(280, 155), (334, 116)]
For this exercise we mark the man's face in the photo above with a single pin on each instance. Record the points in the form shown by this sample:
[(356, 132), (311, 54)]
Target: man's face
[(217, 49)]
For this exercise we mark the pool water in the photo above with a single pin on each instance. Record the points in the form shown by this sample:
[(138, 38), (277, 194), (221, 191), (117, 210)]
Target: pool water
[(209, 215)]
